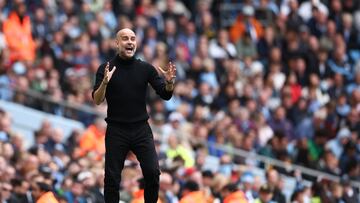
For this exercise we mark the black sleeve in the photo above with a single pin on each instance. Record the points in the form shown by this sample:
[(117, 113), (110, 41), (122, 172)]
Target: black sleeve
[(98, 79), (158, 84)]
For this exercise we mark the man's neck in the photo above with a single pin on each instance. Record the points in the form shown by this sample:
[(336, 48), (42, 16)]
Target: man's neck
[(125, 58)]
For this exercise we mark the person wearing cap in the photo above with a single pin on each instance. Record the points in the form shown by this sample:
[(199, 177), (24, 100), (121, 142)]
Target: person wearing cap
[(336, 145), (265, 194), (123, 82), (247, 179)]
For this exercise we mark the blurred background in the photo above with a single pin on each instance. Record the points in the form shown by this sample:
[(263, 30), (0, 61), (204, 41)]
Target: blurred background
[(266, 106)]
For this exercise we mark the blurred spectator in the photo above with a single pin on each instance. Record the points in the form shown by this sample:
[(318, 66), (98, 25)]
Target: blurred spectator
[(42, 193), (274, 193), (170, 36), (246, 24), (265, 194), (5, 126), (232, 194), (221, 47), (340, 64), (247, 181), (76, 192), (291, 10), (349, 32), (93, 139), (306, 8), (167, 190), (188, 38), (281, 124), (336, 145), (191, 193), (277, 78), (138, 196), (18, 33), (349, 194), (6, 192), (91, 187), (21, 190), (176, 149)]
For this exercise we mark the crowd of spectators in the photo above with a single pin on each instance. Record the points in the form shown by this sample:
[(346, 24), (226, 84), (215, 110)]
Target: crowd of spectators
[(281, 78)]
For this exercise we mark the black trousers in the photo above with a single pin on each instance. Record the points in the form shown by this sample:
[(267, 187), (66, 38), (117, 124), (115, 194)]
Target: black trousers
[(119, 140)]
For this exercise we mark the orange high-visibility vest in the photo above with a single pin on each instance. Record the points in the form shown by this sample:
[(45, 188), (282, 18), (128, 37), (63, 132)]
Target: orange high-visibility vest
[(47, 198), (194, 197), (19, 38), (92, 140), (236, 197), (138, 197)]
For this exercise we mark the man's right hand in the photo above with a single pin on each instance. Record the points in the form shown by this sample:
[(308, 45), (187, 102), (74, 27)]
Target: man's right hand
[(108, 74), (99, 94)]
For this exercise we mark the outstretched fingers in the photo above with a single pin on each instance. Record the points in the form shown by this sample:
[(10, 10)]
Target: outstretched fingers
[(161, 70), (106, 69), (113, 70), (172, 70)]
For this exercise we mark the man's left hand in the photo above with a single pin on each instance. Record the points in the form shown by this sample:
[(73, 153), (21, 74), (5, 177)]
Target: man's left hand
[(169, 72)]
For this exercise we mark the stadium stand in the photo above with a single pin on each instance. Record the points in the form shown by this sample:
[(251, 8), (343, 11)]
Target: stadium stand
[(266, 104)]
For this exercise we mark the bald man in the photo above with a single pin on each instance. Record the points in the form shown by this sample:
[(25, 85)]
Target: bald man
[(123, 82)]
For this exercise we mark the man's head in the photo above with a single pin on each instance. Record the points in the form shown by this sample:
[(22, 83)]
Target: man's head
[(126, 43), (272, 176), (20, 186), (190, 186), (39, 188), (5, 191), (266, 193), (20, 8)]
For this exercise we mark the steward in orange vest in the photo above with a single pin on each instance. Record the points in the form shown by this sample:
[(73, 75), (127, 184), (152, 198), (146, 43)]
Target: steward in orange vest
[(192, 194), (42, 193), (232, 194)]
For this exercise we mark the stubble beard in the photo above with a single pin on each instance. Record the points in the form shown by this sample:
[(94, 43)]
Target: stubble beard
[(124, 55)]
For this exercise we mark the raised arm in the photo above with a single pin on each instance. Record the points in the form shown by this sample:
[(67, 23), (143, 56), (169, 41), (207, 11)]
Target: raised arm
[(169, 75), (164, 87), (102, 79)]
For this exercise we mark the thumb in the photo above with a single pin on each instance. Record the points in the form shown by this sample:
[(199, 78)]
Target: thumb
[(113, 69), (160, 69)]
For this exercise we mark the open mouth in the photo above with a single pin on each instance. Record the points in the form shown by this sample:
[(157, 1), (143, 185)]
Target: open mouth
[(129, 49)]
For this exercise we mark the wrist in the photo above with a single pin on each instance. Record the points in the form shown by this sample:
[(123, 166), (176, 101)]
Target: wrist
[(172, 81), (169, 85), (104, 83)]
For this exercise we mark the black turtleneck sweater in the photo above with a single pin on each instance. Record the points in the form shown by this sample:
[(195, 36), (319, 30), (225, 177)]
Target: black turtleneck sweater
[(127, 88)]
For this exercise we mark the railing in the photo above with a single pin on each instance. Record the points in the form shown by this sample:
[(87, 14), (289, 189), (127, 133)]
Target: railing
[(64, 103), (70, 110), (278, 163)]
